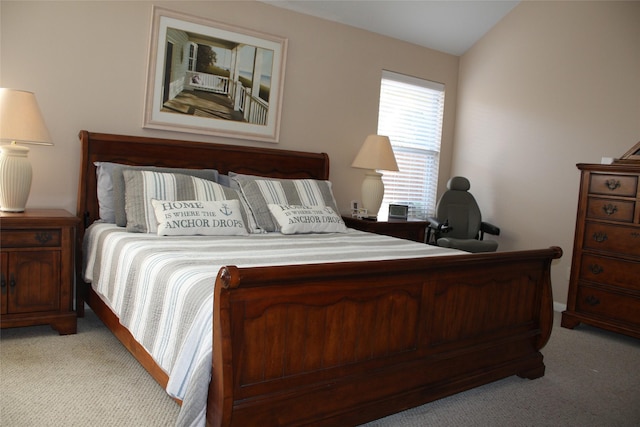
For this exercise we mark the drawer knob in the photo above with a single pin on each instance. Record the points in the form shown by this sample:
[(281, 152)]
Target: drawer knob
[(612, 184), (595, 269), (600, 236), (43, 237), (591, 300), (610, 209)]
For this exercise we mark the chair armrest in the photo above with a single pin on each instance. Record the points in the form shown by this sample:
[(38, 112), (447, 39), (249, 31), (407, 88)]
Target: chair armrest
[(433, 222), (442, 227), (489, 228)]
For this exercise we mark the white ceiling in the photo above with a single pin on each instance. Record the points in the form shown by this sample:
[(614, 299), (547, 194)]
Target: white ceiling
[(450, 26)]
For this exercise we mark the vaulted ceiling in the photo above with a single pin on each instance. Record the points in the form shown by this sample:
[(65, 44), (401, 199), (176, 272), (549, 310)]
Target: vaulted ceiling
[(448, 26)]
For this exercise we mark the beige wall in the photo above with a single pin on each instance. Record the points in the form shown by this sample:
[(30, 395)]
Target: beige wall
[(87, 63), (552, 85)]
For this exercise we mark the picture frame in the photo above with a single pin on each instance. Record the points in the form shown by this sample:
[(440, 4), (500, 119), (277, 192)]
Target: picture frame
[(211, 78), (632, 156)]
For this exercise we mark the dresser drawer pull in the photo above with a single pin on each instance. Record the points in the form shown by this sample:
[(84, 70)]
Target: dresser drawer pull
[(612, 184), (12, 283), (600, 236), (595, 269), (610, 209), (43, 237), (591, 300)]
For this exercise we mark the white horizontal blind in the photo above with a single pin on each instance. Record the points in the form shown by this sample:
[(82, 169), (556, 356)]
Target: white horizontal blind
[(410, 114)]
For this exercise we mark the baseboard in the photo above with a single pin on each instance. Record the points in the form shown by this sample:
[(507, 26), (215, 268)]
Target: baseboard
[(559, 307)]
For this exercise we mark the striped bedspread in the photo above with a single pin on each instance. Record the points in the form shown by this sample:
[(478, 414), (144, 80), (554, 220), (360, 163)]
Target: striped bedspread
[(161, 288)]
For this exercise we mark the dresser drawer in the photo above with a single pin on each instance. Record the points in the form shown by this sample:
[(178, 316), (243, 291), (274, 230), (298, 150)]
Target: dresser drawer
[(612, 238), (609, 305), (30, 238), (610, 209), (620, 185), (611, 271)]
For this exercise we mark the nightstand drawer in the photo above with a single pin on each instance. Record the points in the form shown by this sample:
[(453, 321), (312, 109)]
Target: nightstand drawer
[(610, 209), (619, 185), (31, 238), (609, 305)]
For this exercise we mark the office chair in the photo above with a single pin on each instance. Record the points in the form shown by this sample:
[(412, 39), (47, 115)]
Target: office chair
[(458, 223)]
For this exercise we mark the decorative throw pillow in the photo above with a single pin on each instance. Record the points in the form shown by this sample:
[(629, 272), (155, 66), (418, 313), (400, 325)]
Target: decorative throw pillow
[(142, 186), (104, 191), (197, 217), (294, 219), (117, 176), (259, 192)]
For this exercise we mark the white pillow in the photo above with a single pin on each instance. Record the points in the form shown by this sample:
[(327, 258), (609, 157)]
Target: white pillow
[(199, 217), (294, 219)]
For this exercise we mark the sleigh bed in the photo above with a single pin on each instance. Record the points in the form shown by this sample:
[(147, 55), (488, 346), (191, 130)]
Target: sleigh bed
[(336, 342)]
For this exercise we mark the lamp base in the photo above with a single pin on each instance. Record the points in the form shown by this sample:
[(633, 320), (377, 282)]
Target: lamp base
[(15, 178), (372, 192)]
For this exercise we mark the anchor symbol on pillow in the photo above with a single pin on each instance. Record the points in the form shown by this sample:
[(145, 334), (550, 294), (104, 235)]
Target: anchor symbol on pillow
[(224, 210)]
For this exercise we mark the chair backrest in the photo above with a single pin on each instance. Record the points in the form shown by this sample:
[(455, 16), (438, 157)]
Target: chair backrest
[(460, 209)]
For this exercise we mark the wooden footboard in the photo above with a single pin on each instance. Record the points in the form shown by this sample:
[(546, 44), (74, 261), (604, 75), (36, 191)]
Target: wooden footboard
[(346, 343)]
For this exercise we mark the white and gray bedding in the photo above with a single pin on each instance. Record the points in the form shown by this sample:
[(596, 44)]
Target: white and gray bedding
[(161, 287)]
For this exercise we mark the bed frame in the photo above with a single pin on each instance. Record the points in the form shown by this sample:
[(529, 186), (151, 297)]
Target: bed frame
[(344, 343)]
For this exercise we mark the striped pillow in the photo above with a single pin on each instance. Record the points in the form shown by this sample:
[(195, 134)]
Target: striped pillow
[(142, 186), (117, 178), (259, 192)]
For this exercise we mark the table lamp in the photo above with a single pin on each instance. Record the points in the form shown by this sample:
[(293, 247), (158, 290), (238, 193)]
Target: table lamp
[(375, 154), (20, 123)]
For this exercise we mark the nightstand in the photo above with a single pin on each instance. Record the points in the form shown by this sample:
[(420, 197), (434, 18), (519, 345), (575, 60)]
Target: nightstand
[(37, 269), (404, 229)]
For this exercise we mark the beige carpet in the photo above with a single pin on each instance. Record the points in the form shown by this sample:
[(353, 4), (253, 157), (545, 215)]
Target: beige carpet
[(89, 379)]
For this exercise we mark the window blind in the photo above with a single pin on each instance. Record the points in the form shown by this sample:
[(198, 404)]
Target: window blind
[(410, 113)]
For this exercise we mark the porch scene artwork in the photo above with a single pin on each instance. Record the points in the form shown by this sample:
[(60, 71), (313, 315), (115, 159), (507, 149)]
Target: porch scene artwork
[(209, 78)]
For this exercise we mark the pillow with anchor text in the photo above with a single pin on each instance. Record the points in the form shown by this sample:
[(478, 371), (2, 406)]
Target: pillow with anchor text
[(199, 217)]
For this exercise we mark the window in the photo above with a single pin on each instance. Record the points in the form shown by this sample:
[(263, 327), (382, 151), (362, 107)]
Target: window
[(410, 114), (193, 54)]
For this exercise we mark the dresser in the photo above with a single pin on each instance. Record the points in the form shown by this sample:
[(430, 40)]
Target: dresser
[(604, 288), (37, 269)]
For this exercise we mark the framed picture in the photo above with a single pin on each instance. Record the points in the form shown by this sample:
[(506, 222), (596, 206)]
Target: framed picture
[(210, 78), (631, 156)]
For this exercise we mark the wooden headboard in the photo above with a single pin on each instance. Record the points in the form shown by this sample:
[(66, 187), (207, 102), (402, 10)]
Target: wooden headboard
[(135, 150)]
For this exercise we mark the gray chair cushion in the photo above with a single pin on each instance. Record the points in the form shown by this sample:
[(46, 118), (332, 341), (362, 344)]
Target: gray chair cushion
[(469, 245)]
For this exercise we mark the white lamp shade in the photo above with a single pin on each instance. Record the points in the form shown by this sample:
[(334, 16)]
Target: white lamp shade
[(21, 119), (20, 122), (376, 153)]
